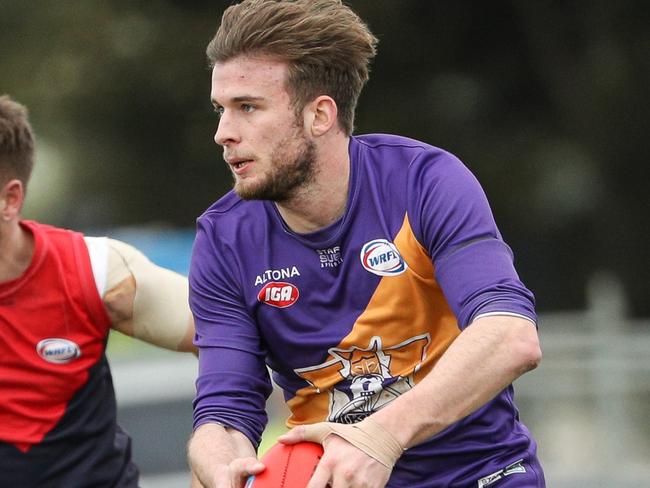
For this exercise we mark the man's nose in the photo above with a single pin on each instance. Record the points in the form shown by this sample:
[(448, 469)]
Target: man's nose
[(226, 130)]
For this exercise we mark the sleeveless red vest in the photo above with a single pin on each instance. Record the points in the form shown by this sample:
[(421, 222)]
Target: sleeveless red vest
[(53, 329)]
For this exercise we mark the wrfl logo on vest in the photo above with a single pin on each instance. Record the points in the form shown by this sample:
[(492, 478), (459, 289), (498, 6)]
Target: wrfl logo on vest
[(58, 351)]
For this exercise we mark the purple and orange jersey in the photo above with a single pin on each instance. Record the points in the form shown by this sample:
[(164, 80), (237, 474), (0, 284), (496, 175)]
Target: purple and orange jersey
[(350, 317)]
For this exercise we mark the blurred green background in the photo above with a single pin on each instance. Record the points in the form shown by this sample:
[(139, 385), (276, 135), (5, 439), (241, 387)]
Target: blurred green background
[(546, 101)]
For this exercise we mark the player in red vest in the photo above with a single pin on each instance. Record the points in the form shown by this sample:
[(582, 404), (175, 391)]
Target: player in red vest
[(60, 294)]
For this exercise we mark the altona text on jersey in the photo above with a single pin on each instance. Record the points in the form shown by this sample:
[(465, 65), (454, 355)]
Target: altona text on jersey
[(276, 274)]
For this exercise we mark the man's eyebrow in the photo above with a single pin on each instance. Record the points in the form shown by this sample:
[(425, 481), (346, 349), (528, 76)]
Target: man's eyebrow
[(247, 98), (241, 98)]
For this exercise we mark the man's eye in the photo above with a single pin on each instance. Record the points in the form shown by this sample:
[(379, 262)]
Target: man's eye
[(247, 107), (218, 111)]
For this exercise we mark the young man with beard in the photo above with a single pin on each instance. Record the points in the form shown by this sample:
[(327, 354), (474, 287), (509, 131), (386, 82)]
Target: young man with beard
[(60, 294), (365, 271)]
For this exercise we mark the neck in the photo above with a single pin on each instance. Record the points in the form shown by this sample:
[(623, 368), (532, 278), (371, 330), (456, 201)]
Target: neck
[(323, 201), (16, 250)]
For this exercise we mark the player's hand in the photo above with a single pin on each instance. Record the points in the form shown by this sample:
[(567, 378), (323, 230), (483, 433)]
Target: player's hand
[(235, 474), (342, 465)]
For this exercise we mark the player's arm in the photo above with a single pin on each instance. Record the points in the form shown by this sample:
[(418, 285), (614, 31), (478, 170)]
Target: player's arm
[(233, 381), (484, 359), (221, 457), (495, 311), (146, 301)]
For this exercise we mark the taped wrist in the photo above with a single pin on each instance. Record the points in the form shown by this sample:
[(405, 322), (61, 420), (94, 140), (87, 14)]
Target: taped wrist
[(367, 435)]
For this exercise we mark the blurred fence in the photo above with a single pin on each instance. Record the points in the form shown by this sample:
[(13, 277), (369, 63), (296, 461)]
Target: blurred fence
[(588, 404)]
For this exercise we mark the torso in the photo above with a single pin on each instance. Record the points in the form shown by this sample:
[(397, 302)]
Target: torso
[(57, 395), (352, 316)]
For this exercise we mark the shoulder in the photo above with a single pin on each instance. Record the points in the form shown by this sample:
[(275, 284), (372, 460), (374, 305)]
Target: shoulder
[(392, 143), (230, 207), (230, 220), (227, 203), (50, 230), (51, 239), (399, 150), (422, 163)]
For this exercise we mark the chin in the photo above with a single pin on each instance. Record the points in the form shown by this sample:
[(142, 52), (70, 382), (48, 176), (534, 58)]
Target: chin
[(249, 191)]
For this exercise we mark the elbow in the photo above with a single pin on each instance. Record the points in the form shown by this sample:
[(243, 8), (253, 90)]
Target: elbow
[(528, 355), (521, 347), (531, 358)]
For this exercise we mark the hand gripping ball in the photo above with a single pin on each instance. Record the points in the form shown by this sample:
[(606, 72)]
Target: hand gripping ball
[(287, 466)]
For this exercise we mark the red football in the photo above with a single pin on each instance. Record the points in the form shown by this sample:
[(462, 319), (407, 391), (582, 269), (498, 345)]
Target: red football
[(287, 466)]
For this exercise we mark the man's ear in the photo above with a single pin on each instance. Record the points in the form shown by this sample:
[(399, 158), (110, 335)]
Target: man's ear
[(323, 115), (12, 197)]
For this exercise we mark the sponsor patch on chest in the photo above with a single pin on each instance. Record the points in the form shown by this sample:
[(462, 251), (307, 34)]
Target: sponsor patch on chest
[(382, 258), (58, 351), (276, 274), (279, 294), (330, 257)]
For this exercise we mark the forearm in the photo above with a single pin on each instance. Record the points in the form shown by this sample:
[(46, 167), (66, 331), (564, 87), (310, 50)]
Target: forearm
[(485, 358), (213, 447)]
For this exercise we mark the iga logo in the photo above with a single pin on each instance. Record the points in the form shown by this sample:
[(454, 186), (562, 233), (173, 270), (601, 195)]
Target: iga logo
[(58, 351), (278, 294), (382, 258)]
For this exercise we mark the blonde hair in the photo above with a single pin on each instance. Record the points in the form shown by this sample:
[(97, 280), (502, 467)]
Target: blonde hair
[(326, 46)]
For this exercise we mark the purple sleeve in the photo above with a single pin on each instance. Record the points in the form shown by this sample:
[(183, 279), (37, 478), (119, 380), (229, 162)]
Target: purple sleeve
[(233, 382), (451, 218)]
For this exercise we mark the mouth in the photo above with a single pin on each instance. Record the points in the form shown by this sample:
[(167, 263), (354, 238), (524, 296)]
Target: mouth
[(238, 164)]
